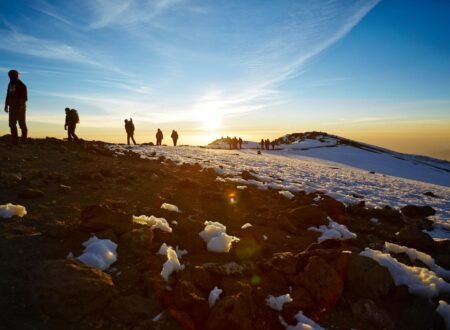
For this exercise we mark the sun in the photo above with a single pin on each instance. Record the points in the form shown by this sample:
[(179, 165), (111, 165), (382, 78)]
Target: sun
[(211, 121)]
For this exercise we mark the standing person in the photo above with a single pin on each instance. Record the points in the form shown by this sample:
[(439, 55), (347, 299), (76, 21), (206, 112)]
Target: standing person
[(267, 144), (240, 142), (235, 142), (159, 137), (262, 144), (72, 120), (273, 143), (129, 128), (174, 137), (15, 104)]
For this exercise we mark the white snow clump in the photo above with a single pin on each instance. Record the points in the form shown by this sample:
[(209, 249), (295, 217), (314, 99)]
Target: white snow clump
[(153, 222), (414, 254), (444, 311), (334, 230), (304, 323), (9, 210), (420, 281), (214, 295), (277, 303), (246, 225), (241, 187), (99, 253), (216, 237), (163, 250), (171, 265), (170, 207), (286, 194)]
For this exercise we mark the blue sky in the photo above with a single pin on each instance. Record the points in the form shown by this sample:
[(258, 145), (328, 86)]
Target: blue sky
[(253, 66)]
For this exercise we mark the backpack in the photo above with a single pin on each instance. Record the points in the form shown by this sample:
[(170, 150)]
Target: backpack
[(74, 118)]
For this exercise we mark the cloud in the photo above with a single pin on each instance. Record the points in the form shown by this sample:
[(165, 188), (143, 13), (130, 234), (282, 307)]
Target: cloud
[(127, 12), (45, 8), (17, 42)]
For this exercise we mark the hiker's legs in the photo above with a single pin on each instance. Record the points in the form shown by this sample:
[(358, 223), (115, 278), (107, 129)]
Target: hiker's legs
[(132, 138), (128, 139), (13, 125), (22, 122)]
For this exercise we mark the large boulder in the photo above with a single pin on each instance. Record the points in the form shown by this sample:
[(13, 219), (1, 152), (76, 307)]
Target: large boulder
[(413, 237), (415, 211), (365, 278), (100, 217), (322, 282), (70, 291)]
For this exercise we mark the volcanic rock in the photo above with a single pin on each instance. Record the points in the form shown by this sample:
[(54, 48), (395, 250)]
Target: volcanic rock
[(414, 211), (100, 217), (69, 291)]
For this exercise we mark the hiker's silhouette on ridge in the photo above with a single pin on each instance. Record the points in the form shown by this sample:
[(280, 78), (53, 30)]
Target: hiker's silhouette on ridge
[(72, 119), (129, 128), (159, 137), (262, 144), (240, 142), (15, 104), (174, 137), (267, 144)]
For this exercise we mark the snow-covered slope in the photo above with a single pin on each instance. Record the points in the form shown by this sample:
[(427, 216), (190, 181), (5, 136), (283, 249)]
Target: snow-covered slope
[(274, 170), (339, 151)]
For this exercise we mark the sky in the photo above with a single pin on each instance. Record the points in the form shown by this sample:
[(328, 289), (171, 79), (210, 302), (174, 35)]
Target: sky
[(374, 71)]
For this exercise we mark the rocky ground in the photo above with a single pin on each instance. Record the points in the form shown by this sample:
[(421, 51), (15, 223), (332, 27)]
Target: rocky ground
[(74, 190)]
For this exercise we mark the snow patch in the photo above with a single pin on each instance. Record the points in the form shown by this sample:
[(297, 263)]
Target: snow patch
[(216, 237), (444, 311), (153, 222), (334, 230), (171, 265), (304, 323), (286, 194), (163, 250), (414, 254), (246, 225), (241, 187), (277, 303), (170, 207), (214, 295), (420, 281), (9, 210), (98, 253)]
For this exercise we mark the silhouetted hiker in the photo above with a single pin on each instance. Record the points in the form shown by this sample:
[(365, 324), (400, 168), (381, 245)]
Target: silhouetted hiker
[(235, 142), (229, 141), (15, 104), (174, 137), (159, 137), (240, 142), (72, 120), (267, 144), (273, 143), (262, 144), (129, 128)]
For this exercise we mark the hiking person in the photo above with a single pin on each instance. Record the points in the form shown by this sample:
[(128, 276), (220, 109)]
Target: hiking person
[(240, 142), (174, 137), (159, 137), (15, 104), (129, 128), (235, 142), (262, 144), (273, 143), (229, 141), (72, 119), (267, 144)]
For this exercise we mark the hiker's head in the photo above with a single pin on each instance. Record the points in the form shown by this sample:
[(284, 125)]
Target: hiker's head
[(13, 74), (126, 120), (67, 110)]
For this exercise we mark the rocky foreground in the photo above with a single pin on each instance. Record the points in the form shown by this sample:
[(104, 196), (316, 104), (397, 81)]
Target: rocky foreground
[(72, 191)]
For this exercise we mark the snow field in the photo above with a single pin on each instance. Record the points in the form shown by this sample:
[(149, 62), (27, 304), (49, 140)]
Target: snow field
[(292, 173)]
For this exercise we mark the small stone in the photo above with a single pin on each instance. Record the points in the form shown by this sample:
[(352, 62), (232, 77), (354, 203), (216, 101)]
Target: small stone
[(30, 193)]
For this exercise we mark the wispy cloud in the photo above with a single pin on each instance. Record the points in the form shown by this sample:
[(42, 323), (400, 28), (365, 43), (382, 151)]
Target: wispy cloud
[(127, 12), (46, 8), (17, 42)]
